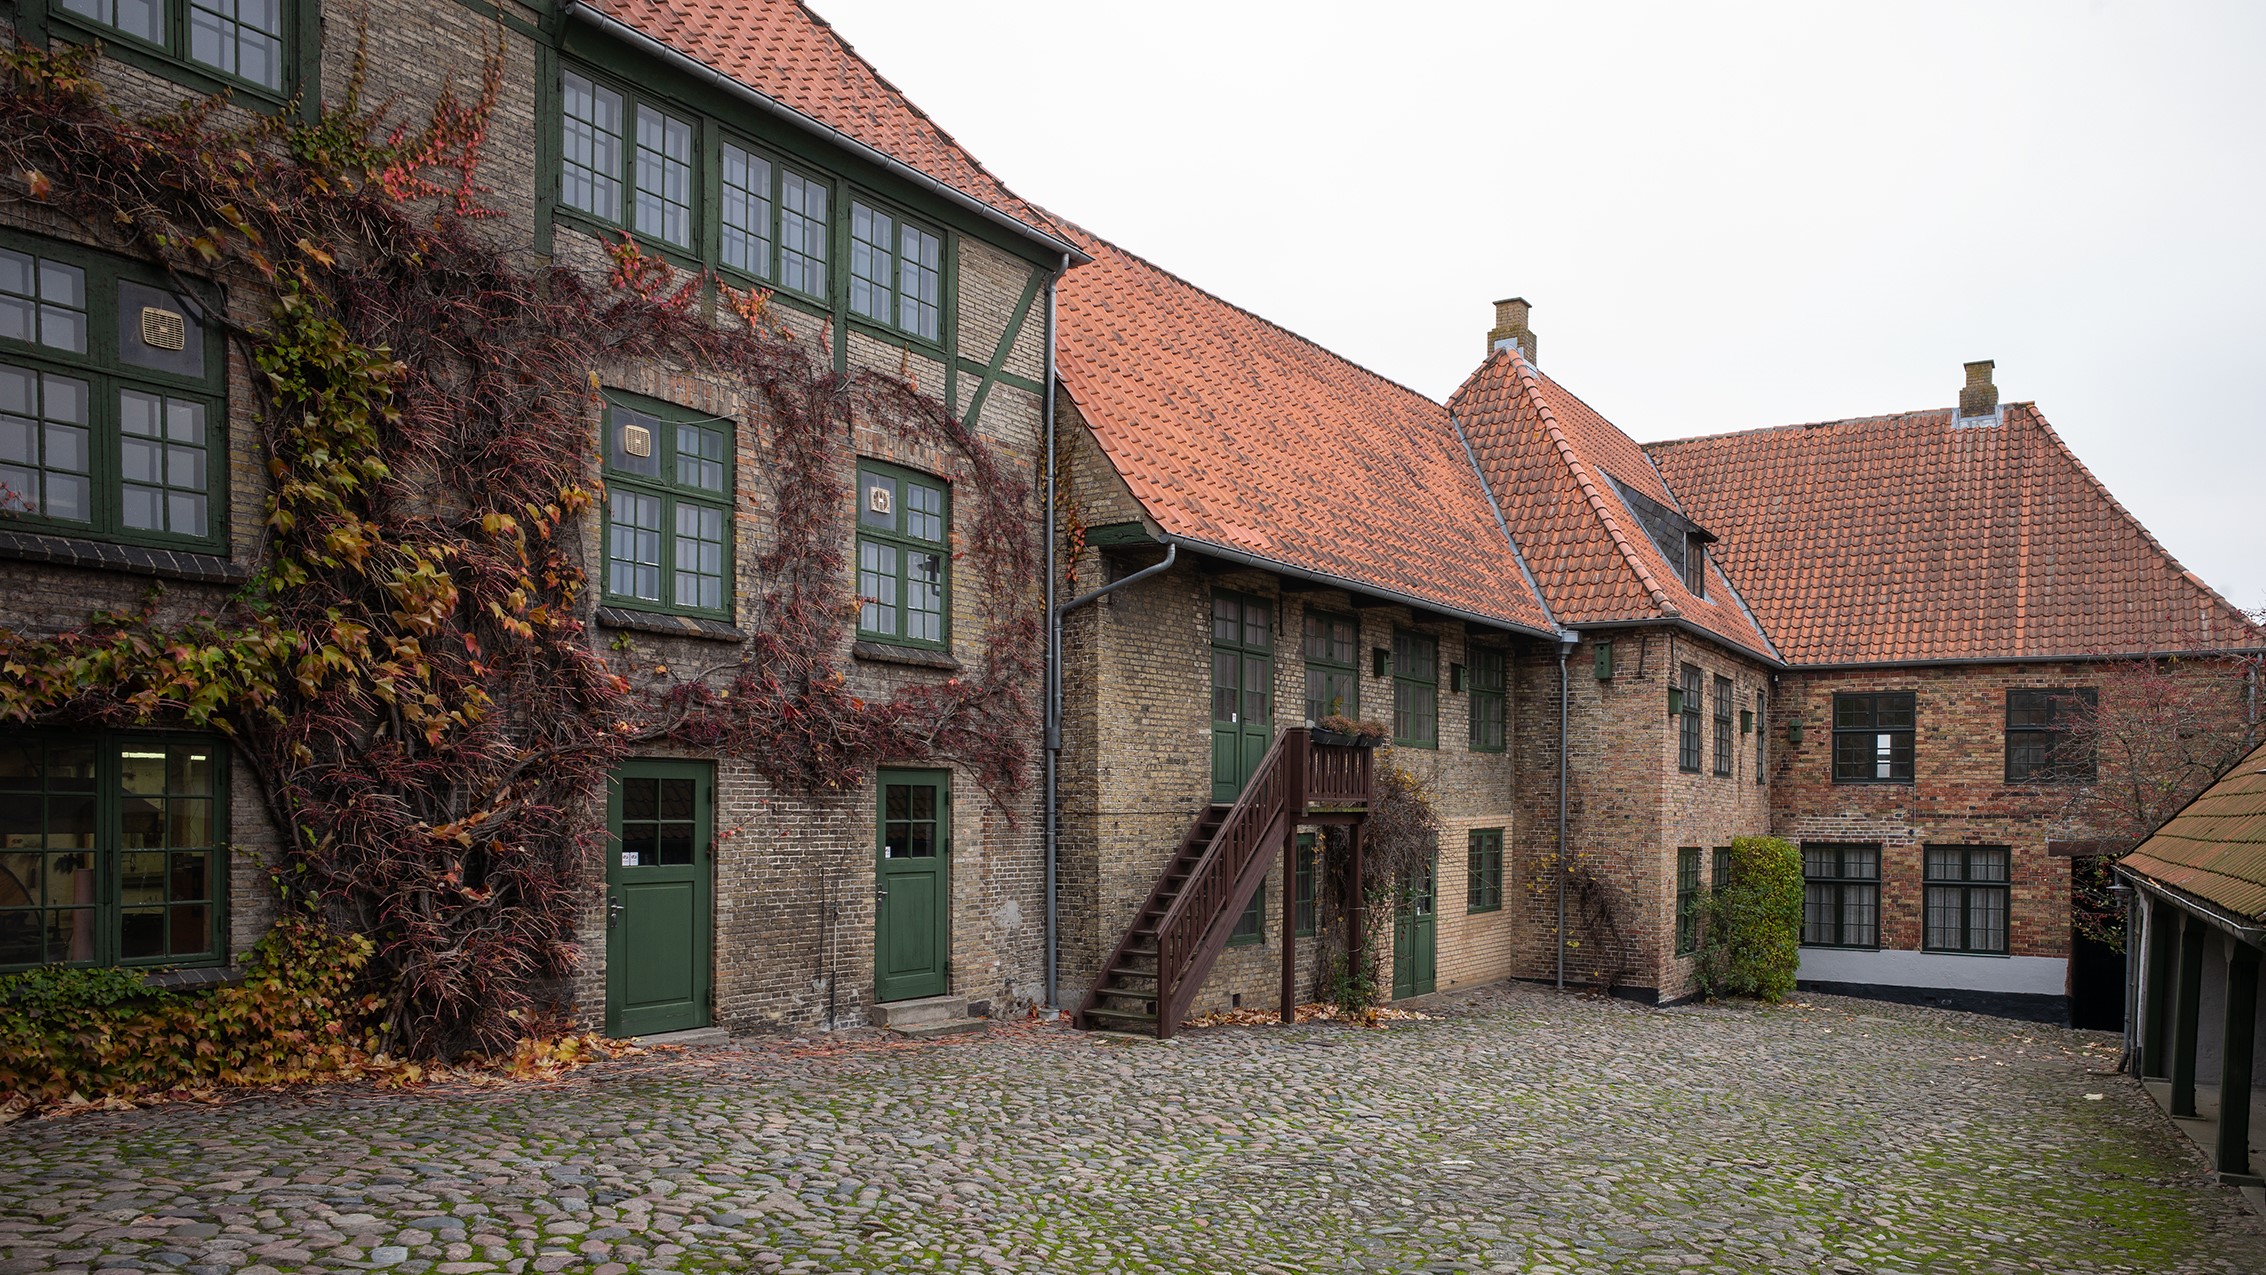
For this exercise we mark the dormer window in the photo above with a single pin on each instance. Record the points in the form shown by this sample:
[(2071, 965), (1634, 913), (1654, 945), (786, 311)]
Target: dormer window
[(1695, 565)]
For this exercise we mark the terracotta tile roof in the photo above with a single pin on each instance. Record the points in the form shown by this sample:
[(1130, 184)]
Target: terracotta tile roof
[(1548, 457), (1916, 537), (2215, 849), (789, 54), (1236, 433)]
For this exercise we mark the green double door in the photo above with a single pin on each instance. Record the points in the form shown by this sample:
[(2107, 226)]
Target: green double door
[(1416, 932), (1243, 681), (658, 875), (912, 929)]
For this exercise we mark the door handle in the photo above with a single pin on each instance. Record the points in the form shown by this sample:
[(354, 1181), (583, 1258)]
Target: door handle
[(613, 910)]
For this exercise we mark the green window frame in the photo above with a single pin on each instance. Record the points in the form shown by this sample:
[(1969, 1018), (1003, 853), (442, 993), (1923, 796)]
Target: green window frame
[(1968, 890), (2039, 747), (1308, 899), (1687, 899), (1251, 927), (1724, 760), (1331, 647), (668, 514), (1416, 689), (1688, 722), (896, 270), (113, 849), (628, 161), (106, 429), (1762, 733), (249, 46), (1872, 737), (772, 220), (1488, 697), (1840, 894), (1719, 870), (904, 556), (1484, 872)]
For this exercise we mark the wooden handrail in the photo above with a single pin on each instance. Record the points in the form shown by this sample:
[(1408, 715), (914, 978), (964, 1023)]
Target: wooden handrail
[(1204, 897)]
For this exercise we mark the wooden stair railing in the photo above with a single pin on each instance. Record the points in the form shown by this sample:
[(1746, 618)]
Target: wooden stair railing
[(1168, 951)]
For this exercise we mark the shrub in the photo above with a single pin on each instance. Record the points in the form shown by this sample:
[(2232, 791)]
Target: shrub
[(300, 1014), (1753, 922)]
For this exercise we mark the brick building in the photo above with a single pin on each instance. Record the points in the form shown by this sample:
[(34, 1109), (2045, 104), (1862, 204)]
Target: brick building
[(749, 142)]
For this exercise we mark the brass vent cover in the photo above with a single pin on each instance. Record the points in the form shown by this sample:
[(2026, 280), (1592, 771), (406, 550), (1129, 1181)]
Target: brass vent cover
[(164, 329)]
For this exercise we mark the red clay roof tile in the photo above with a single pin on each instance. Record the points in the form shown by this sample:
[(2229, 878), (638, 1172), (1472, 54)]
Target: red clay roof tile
[(1924, 537), (1548, 456), (2215, 849), (1233, 432)]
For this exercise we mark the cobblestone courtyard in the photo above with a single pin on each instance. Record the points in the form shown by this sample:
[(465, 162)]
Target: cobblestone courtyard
[(1517, 1132)]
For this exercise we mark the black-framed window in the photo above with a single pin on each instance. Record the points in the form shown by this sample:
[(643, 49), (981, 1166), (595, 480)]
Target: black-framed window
[(2039, 743), (1687, 899), (1331, 646), (1488, 697), (1484, 871), (668, 509), (1872, 737), (1416, 689), (896, 270), (1688, 739), (628, 161), (1309, 886), (1967, 888), (1762, 734), (113, 421), (112, 849), (1719, 871), (904, 555), (771, 222), (1695, 565), (243, 41), (1251, 927), (1840, 894), (1723, 710)]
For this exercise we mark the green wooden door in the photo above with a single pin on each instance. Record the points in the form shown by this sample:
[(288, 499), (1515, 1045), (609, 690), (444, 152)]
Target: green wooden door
[(657, 881), (1416, 928), (912, 929), (1243, 686)]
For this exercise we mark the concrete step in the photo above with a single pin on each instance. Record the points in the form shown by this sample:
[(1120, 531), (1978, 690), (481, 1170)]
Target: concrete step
[(697, 1036), (928, 1011)]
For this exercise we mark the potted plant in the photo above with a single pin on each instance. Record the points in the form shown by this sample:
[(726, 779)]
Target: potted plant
[(1348, 733)]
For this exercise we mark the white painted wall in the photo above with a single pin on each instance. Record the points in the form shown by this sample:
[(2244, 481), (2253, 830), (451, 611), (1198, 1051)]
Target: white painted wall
[(2026, 975)]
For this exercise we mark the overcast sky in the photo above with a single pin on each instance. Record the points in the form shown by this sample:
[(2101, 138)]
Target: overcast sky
[(1725, 216)]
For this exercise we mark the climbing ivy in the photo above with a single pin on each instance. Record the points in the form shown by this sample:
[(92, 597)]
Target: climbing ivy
[(408, 674)]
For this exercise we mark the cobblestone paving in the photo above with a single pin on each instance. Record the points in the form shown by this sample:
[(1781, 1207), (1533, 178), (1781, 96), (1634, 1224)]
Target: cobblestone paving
[(1519, 1132)]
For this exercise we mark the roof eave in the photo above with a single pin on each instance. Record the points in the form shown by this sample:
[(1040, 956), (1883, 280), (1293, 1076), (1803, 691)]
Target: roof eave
[(615, 27), (1246, 558), (1680, 623), (1805, 666), (2247, 929)]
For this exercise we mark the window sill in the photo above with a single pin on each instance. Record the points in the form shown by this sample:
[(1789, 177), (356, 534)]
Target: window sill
[(683, 626), (101, 555), (917, 657), (182, 980)]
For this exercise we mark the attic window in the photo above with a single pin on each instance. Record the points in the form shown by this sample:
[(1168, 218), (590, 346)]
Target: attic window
[(1695, 565)]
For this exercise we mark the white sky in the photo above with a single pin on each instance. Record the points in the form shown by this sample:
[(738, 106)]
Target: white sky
[(1726, 216)]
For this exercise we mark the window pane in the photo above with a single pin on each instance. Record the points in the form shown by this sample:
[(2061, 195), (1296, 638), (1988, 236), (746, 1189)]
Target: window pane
[(700, 557), (877, 501), (802, 233), (877, 585), (664, 176), (634, 545), (700, 458), (871, 233), (591, 148), (920, 281), (745, 219), (924, 597), (924, 512), (239, 37), (1227, 619), (44, 445)]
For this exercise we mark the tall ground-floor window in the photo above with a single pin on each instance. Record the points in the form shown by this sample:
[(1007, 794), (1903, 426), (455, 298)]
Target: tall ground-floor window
[(110, 850), (1967, 889), (1840, 895)]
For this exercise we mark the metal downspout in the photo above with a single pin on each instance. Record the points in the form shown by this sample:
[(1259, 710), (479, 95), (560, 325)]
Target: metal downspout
[(1565, 647), (1051, 680)]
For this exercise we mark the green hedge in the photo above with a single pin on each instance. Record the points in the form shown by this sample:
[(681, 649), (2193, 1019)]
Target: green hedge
[(1751, 943)]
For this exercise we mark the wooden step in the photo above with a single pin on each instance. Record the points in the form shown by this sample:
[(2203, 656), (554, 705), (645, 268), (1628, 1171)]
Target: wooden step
[(1118, 1020)]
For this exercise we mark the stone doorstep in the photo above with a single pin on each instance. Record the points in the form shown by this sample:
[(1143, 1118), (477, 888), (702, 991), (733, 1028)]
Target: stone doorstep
[(693, 1037), (928, 1011)]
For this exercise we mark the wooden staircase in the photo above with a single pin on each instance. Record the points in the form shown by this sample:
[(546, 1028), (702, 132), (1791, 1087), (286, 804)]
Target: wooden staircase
[(1148, 982)]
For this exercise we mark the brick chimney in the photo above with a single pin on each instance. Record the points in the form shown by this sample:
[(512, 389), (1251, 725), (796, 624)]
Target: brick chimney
[(1511, 329), (1978, 397)]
